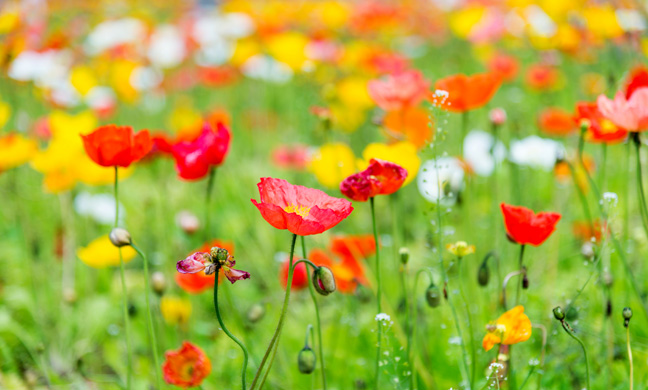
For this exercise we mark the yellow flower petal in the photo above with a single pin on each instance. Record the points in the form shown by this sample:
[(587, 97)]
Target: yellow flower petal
[(101, 253)]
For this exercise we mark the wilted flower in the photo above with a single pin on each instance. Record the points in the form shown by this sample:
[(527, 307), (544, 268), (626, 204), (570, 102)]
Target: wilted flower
[(217, 259), (186, 367)]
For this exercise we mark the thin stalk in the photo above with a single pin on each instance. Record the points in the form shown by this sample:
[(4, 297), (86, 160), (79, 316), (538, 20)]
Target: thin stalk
[(629, 357), (603, 164), (581, 196), (210, 185), (231, 336), (378, 293), (640, 188), (320, 345), (284, 310), (571, 333), (151, 328), (519, 287), (473, 350), (122, 271), (412, 332)]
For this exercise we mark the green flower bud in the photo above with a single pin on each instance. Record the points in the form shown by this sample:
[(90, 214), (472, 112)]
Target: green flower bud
[(483, 274), (558, 313), (433, 295), (404, 255), (120, 237), (306, 360), (323, 280), (572, 314), (627, 314)]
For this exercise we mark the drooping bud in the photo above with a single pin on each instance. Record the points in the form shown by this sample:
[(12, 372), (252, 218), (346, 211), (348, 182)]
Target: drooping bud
[(120, 237), (572, 313), (483, 274), (558, 313), (323, 280), (433, 296), (627, 314), (404, 255), (158, 282), (256, 312), (306, 360)]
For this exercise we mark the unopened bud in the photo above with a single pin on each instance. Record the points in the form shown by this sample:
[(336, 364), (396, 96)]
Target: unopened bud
[(497, 116), (558, 313), (572, 313), (256, 312), (433, 296), (483, 274), (306, 360), (587, 250), (525, 281), (158, 282), (120, 237), (69, 295), (404, 255), (188, 222), (627, 314), (324, 280), (608, 308)]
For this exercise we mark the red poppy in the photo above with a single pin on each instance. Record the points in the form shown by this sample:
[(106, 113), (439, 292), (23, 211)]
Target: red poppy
[(399, 91), (467, 93), (525, 227), (505, 66), (199, 282), (638, 79), (556, 121), (186, 367), (542, 77), (301, 210), (300, 275), (601, 129), (291, 157), (111, 145), (195, 158), (380, 178)]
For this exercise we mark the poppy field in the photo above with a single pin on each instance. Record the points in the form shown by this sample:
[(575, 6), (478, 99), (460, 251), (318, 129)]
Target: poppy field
[(342, 195)]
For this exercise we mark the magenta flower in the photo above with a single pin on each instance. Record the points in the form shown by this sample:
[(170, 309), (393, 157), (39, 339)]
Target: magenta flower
[(194, 263), (218, 259), (631, 114)]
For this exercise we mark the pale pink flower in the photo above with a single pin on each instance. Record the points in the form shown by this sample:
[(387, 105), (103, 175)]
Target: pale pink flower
[(399, 91), (631, 114)]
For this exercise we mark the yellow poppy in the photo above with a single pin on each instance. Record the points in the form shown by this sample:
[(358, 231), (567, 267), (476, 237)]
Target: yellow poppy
[(511, 328), (101, 253), (176, 311), (333, 163), (15, 150)]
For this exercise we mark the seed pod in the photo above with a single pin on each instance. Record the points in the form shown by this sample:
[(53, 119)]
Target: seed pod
[(433, 296), (558, 313), (627, 314), (323, 280), (120, 237), (483, 274), (219, 255), (306, 360)]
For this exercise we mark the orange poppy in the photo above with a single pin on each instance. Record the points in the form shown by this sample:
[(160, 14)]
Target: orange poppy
[(412, 124), (556, 121), (467, 93), (511, 328), (111, 145), (186, 367), (199, 282), (542, 77)]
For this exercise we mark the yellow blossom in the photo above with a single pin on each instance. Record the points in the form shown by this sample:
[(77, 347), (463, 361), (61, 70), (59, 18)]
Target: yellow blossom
[(120, 80), (83, 79), (101, 253), (332, 163), (347, 118), (15, 150), (401, 153), (9, 19), (5, 113), (463, 21), (352, 91), (289, 48), (244, 49), (184, 119), (511, 328), (460, 248), (176, 311)]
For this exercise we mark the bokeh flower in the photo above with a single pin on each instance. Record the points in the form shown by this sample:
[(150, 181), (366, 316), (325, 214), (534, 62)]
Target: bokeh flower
[(556, 121), (399, 91), (467, 93), (460, 248), (628, 113), (175, 311), (599, 128), (15, 150), (300, 275), (526, 227), (510, 328), (186, 367), (101, 253), (331, 163)]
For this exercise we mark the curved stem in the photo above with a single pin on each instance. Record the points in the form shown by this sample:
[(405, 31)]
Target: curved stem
[(378, 294), (571, 333), (629, 356), (311, 289), (284, 310), (305, 261), (122, 272), (151, 328), (230, 335)]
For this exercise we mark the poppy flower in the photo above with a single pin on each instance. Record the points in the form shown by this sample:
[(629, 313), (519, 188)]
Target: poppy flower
[(300, 275), (629, 113), (195, 283), (399, 91), (186, 367), (401, 153), (510, 328), (556, 121), (638, 79), (291, 157), (542, 77), (332, 163), (301, 210), (176, 311), (217, 259), (380, 178), (600, 129), (467, 93), (505, 66), (195, 158), (525, 227), (413, 125), (112, 145)]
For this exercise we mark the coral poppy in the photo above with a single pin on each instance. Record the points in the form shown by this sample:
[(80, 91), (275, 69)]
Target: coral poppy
[(600, 129), (413, 125), (542, 77), (301, 210), (198, 282), (510, 328), (556, 121), (186, 367), (638, 79), (112, 145), (505, 66), (195, 158), (629, 113), (399, 91), (467, 93), (300, 275), (525, 227), (380, 178)]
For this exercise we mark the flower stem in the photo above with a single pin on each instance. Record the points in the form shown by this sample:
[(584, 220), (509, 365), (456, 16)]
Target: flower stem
[(629, 356), (640, 188), (320, 345), (378, 294), (571, 333), (231, 336), (129, 351), (473, 350), (210, 185), (520, 260), (284, 310), (151, 329)]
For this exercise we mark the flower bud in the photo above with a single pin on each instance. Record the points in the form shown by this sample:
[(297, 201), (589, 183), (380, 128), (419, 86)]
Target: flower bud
[(587, 250), (158, 282), (525, 281), (256, 312), (433, 296), (323, 280), (497, 116), (306, 360), (120, 237), (608, 308), (188, 222), (558, 313), (404, 255), (483, 274), (627, 314), (572, 313)]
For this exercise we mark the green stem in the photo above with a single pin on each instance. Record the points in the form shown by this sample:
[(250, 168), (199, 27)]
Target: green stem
[(583, 199), (473, 350), (378, 288), (629, 357), (210, 185), (571, 333), (151, 328), (122, 271), (519, 286), (412, 333), (231, 336), (603, 165), (640, 188), (320, 345), (284, 310)]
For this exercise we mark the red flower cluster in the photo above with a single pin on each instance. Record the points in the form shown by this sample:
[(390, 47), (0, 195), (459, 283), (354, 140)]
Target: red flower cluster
[(112, 146), (380, 178), (195, 158), (526, 227), (186, 367)]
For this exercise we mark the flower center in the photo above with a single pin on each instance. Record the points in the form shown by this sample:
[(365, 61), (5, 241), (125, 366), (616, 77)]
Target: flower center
[(302, 211)]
